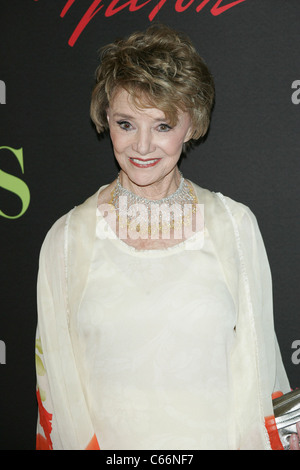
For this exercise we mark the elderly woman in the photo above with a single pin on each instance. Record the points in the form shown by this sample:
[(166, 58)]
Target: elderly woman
[(155, 327)]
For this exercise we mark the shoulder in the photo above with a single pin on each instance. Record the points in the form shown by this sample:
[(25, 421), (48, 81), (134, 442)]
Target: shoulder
[(78, 223), (238, 210), (216, 200), (85, 209), (54, 240)]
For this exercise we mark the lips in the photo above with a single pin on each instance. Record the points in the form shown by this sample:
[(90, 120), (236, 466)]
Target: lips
[(148, 162)]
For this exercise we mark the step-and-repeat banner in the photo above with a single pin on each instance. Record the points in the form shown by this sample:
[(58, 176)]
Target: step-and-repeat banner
[(51, 158)]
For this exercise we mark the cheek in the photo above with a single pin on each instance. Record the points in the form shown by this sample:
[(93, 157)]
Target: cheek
[(173, 145), (119, 141)]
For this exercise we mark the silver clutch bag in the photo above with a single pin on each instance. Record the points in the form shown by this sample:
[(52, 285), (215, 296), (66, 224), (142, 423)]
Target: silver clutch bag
[(287, 414)]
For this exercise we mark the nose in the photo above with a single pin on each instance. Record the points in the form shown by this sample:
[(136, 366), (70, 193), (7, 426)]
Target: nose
[(144, 142)]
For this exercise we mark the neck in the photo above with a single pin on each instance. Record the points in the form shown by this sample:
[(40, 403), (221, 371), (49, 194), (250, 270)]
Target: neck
[(153, 191)]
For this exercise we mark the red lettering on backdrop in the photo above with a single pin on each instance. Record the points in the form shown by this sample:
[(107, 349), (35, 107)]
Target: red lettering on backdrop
[(66, 7), (156, 9), (217, 9), (111, 10), (199, 8), (179, 7), (87, 17)]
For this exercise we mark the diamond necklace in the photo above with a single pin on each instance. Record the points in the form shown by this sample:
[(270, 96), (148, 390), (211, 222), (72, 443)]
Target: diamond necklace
[(154, 216)]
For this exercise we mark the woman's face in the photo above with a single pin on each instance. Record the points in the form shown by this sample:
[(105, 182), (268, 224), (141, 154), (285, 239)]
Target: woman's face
[(146, 147)]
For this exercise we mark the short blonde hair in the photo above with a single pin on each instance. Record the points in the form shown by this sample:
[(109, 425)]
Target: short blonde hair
[(159, 68)]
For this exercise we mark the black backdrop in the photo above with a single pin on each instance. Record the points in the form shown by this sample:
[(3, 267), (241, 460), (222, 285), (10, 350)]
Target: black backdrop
[(50, 152)]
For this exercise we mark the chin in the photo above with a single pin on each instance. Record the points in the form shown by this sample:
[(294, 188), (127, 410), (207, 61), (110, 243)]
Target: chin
[(141, 176), (145, 180)]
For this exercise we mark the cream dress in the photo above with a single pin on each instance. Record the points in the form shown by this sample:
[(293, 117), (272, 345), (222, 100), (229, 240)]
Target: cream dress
[(153, 336)]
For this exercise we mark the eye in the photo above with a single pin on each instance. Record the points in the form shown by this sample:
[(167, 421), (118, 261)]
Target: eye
[(124, 125), (163, 127)]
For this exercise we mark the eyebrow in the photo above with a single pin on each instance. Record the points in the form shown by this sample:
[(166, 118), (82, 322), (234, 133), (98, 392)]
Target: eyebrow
[(128, 116)]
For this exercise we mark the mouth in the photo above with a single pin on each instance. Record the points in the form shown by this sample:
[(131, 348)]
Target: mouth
[(144, 163)]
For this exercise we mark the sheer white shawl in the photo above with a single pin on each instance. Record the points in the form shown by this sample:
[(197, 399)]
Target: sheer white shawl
[(64, 420)]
